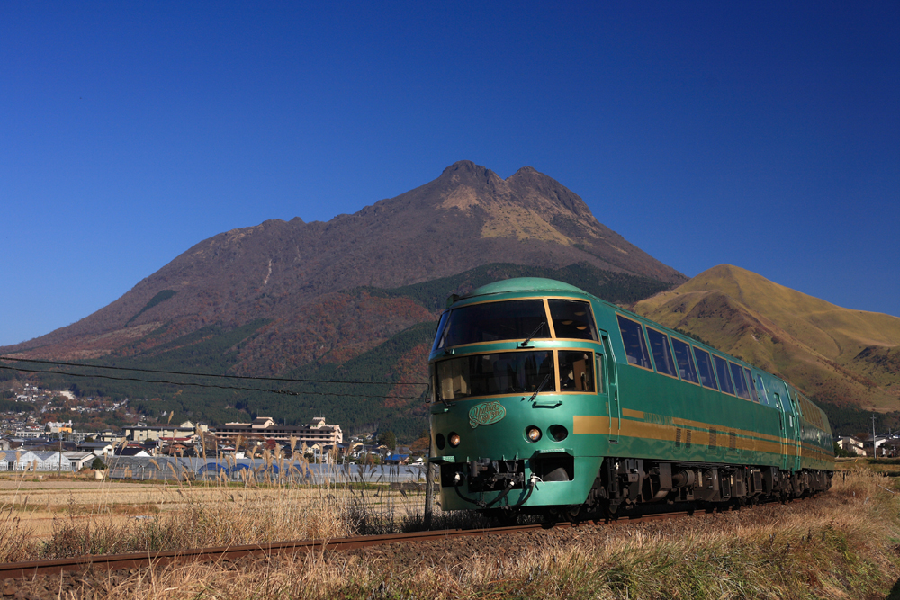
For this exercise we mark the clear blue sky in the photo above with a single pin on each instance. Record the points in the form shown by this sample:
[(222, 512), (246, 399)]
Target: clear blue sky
[(765, 135)]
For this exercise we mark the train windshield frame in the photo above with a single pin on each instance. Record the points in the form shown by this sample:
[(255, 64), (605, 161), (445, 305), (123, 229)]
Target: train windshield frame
[(494, 374)]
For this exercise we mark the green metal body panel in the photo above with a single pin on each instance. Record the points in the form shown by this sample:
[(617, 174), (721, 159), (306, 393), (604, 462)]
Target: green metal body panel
[(639, 413)]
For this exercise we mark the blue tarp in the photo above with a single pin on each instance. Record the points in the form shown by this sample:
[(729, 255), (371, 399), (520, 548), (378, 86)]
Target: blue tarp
[(213, 466)]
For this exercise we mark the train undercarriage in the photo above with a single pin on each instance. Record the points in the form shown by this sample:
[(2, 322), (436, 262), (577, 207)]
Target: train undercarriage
[(632, 487)]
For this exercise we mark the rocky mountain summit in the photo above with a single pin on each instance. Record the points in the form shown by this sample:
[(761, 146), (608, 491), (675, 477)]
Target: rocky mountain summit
[(465, 218)]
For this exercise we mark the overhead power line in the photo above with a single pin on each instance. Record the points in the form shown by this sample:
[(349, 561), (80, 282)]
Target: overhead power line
[(193, 374), (214, 386)]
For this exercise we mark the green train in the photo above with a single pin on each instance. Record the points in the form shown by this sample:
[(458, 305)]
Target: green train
[(550, 401)]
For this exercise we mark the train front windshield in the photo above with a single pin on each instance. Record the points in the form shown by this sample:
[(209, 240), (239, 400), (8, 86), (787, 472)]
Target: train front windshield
[(492, 321), (494, 374), (515, 320)]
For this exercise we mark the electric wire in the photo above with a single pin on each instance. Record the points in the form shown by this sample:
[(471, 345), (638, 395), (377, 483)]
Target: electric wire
[(221, 387), (188, 373)]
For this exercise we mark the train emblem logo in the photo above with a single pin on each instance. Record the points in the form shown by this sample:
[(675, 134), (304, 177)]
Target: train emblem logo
[(486, 413)]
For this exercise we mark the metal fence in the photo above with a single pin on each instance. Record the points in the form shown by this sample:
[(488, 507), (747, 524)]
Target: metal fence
[(182, 469)]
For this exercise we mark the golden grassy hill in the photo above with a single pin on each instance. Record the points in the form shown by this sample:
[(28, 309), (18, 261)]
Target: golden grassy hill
[(833, 354)]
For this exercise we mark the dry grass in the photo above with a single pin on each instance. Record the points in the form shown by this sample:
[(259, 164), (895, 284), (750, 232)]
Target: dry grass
[(842, 545), (55, 519)]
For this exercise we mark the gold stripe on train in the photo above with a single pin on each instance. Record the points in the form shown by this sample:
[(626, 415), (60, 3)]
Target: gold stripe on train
[(596, 425)]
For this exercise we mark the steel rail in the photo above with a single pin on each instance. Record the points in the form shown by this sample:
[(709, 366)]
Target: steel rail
[(143, 559)]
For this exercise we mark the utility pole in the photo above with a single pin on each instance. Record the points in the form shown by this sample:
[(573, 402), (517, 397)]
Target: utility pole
[(874, 447), (429, 489)]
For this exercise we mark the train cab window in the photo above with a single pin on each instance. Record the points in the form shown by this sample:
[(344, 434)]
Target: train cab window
[(576, 371), (740, 386), (494, 374), (662, 355), (635, 346), (573, 319), (705, 369), (686, 368), (722, 373), (748, 377), (493, 321), (439, 331)]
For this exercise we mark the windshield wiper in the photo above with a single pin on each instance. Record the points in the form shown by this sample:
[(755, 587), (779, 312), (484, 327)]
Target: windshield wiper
[(539, 388), (533, 333)]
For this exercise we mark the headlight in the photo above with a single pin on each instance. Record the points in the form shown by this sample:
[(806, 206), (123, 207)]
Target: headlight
[(558, 433), (532, 433), (454, 440)]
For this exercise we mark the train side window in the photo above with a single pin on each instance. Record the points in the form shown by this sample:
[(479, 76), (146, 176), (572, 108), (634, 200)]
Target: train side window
[(686, 368), (764, 396), (740, 386), (786, 400), (576, 371), (635, 346), (722, 373), (573, 319), (748, 379), (662, 355), (705, 369)]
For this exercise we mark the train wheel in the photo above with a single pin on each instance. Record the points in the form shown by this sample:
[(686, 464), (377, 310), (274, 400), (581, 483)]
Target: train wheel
[(573, 513), (501, 517), (610, 512)]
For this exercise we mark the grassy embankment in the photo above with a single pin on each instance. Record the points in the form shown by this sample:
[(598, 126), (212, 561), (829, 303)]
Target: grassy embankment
[(840, 545)]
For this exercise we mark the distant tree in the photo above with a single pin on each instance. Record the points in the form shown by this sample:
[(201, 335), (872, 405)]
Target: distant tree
[(840, 452), (98, 464), (89, 439), (388, 439)]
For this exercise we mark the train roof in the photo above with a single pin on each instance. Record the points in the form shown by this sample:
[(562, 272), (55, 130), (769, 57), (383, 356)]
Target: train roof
[(524, 284)]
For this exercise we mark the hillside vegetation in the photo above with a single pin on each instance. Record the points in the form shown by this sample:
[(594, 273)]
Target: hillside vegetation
[(841, 357), (362, 334)]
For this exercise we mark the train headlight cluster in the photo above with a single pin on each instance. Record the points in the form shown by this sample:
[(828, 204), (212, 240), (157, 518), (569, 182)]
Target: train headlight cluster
[(532, 433), (454, 440)]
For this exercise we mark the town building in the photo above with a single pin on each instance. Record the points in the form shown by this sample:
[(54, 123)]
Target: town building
[(851, 444), (142, 433), (265, 428)]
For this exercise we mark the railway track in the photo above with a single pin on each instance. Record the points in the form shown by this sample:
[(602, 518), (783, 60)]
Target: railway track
[(131, 560)]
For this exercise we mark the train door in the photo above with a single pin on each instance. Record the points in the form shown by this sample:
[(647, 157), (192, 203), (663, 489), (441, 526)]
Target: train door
[(782, 422), (797, 432), (792, 426), (607, 366)]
